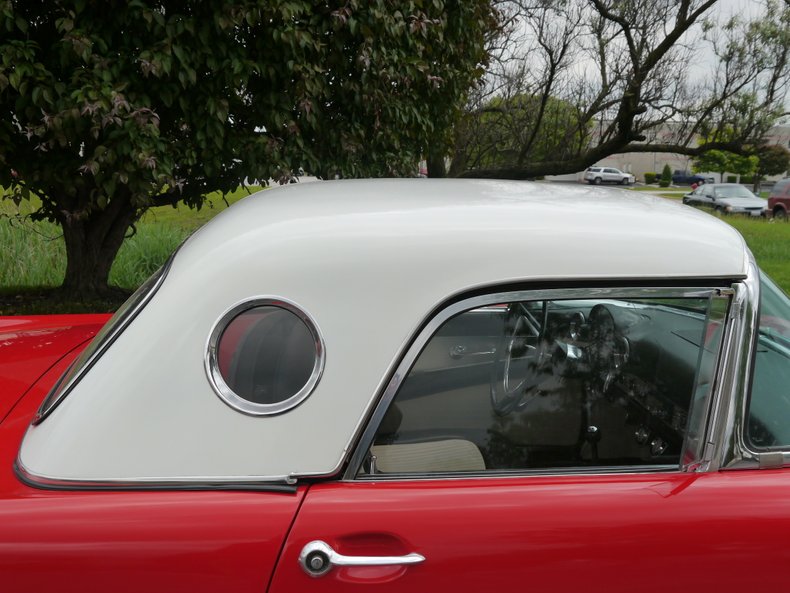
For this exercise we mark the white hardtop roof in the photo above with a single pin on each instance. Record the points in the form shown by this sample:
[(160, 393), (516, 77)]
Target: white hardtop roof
[(537, 230), (368, 261)]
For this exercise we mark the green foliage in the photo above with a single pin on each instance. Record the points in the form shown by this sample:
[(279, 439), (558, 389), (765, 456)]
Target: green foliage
[(722, 162), (732, 178), (650, 178), (743, 165), (666, 176), (110, 108), (495, 133), (713, 160), (772, 160)]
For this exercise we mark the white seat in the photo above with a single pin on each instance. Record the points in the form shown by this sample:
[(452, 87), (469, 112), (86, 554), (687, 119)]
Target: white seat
[(434, 456)]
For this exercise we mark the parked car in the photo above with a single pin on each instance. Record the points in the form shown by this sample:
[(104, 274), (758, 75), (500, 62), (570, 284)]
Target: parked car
[(598, 175), (779, 199), (410, 385), (687, 178), (727, 198)]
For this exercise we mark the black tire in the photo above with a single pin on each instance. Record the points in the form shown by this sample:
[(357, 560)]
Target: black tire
[(780, 214), (624, 181), (597, 181)]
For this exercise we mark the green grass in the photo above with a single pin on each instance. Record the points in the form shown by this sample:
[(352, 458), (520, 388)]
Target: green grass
[(31, 254), (674, 192), (184, 217), (770, 244), (33, 257), (647, 188)]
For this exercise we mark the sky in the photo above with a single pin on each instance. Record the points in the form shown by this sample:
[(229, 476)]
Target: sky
[(724, 9), (748, 8)]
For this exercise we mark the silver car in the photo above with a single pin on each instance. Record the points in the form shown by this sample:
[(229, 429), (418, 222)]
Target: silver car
[(598, 175), (727, 198)]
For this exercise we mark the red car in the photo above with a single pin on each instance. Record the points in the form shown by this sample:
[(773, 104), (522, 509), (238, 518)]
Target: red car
[(410, 386), (779, 199)]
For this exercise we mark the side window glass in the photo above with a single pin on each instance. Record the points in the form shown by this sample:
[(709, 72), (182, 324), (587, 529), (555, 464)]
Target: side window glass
[(265, 357), (555, 384), (769, 406)]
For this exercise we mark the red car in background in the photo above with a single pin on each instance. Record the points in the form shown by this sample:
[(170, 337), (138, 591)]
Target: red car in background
[(410, 386), (779, 199)]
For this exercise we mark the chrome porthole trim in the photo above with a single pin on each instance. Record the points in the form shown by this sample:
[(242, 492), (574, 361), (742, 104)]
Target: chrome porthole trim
[(226, 393)]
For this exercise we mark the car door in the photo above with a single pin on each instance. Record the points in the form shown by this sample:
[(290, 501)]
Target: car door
[(569, 489), (204, 539), (698, 195), (565, 534), (706, 196)]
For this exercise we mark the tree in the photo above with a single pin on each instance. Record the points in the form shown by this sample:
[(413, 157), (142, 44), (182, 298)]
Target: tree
[(666, 176), (771, 160), (494, 135), (723, 162), (624, 66), (109, 108)]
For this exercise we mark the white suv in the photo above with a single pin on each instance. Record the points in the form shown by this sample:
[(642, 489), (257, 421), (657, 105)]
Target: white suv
[(598, 175)]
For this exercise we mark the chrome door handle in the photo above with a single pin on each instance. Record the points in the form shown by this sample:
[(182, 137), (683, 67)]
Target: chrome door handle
[(318, 558)]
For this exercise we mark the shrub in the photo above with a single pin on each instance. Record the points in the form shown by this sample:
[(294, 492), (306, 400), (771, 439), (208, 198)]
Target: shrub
[(732, 178), (666, 175), (650, 178), (747, 179)]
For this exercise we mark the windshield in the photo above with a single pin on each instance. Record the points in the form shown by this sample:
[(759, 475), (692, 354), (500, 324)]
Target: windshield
[(733, 191), (769, 406), (774, 313)]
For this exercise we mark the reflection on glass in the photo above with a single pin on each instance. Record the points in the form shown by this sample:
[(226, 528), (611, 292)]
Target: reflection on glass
[(769, 406), (556, 383)]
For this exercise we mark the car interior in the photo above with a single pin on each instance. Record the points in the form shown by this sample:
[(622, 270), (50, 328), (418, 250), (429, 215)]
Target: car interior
[(553, 384)]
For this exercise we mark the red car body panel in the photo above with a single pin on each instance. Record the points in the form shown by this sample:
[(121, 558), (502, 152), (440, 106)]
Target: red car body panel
[(663, 532), (31, 345), (82, 541), (613, 533)]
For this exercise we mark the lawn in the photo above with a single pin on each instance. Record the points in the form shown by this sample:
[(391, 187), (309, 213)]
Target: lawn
[(32, 255), (32, 258), (770, 243)]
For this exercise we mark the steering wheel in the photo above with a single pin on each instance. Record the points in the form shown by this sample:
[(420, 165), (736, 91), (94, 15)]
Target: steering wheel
[(518, 359), (607, 351)]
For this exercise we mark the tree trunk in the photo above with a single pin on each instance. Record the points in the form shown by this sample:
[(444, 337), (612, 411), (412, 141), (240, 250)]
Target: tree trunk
[(435, 161), (92, 242)]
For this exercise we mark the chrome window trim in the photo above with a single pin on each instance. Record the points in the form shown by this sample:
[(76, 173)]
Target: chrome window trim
[(693, 456), (265, 483), (392, 387), (585, 471), (740, 454), (223, 390), (724, 447), (64, 389)]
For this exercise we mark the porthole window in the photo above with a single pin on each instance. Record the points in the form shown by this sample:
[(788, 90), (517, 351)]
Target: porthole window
[(265, 356)]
